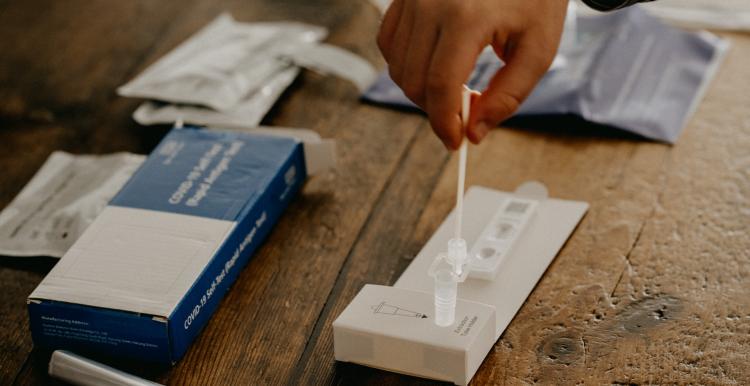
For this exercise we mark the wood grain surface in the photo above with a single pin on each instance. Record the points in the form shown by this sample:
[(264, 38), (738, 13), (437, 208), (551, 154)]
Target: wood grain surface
[(652, 288)]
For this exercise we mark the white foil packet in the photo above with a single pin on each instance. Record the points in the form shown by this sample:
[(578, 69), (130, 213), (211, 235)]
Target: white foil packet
[(222, 63), (246, 114), (249, 112), (328, 59), (61, 200)]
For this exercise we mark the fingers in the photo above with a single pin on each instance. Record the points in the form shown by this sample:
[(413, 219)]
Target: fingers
[(413, 73), (399, 44), (388, 25), (451, 65), (430, 61), (431, 50), (526, 63)]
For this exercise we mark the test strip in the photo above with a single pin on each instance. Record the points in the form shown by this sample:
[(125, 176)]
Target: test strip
[(500, 235)]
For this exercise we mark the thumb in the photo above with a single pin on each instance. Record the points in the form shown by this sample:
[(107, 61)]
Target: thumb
[(509, 87)]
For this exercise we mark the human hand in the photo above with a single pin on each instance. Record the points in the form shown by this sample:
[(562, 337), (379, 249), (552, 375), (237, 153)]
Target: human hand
[(431, 47)]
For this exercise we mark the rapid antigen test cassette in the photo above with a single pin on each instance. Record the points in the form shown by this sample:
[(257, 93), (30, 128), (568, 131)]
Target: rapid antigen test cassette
[(451, 304), (511, 238), (147, 274)]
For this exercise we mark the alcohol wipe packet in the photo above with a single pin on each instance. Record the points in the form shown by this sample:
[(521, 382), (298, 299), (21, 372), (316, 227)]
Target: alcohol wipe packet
[(328, 59), (248, 113), (625, 69), (61, 200), (222, 63)]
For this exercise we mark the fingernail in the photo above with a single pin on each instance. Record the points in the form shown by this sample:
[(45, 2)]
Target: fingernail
[(481, 130), (450, 143)]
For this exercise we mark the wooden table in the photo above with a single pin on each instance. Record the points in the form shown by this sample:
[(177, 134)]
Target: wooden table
[(651, 288)]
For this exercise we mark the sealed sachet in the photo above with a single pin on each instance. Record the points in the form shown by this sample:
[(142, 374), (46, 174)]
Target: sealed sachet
[(222, 63), (230, 74), (625, 69), (328, 59), (61, 200), (249, 112), (631, 71)]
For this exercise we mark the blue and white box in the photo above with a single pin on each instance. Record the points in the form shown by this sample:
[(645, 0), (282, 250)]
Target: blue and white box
[(145, 277)]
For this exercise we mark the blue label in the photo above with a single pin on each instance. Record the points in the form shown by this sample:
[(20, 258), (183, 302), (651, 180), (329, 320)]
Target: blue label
[(206, 173), (254, 224), (84, 329)]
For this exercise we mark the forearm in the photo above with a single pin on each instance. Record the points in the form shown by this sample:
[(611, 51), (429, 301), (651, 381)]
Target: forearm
[(610, 5)]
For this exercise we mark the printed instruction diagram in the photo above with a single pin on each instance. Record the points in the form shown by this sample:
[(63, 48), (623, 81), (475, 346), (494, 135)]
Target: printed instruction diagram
[(388, 309)]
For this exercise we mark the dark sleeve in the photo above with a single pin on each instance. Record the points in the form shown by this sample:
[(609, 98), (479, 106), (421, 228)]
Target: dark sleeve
[(610, 5)]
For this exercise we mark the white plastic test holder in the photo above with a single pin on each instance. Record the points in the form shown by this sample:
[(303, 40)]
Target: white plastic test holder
[(447, 310)]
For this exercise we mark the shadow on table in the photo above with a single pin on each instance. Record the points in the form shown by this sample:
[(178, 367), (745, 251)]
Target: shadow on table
[(354, 374), (36, 264), (571, 126), (559, 125)]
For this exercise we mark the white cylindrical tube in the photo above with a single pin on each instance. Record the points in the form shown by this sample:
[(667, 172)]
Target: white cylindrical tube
[(457, 254), (83, 371), (446, 289)]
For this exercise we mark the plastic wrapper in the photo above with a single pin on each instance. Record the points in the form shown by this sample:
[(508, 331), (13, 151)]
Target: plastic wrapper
[(248, 113), (230, 74), (331, 60), (61, 200), (222, 63)]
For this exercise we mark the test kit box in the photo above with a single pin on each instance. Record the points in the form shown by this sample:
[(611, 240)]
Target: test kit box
[(147, 274)]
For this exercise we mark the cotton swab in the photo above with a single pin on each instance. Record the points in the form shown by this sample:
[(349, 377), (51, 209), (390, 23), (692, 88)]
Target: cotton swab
[(462, 150), (446, 281)]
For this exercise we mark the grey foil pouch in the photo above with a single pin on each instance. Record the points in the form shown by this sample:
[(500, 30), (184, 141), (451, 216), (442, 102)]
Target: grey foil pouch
[(625, 69)]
